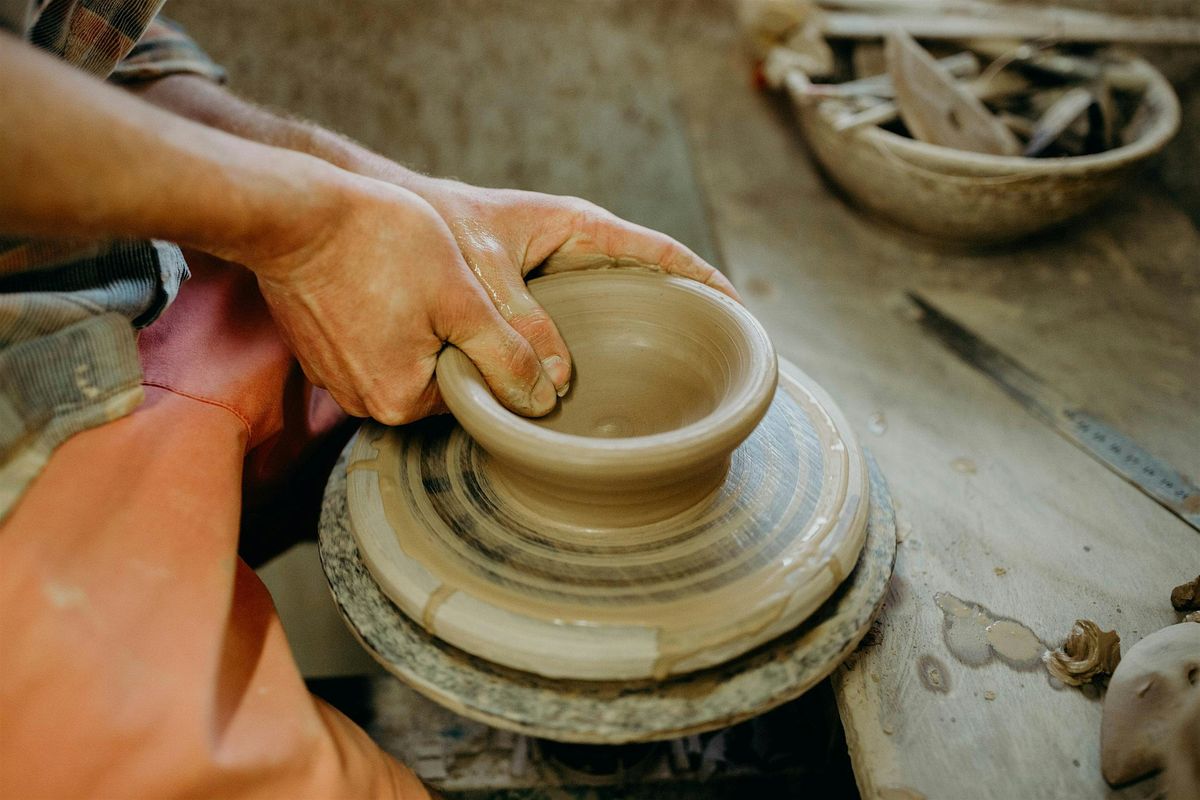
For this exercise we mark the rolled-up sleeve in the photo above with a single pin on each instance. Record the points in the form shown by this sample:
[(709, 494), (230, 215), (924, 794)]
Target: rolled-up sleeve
[(165, 49)]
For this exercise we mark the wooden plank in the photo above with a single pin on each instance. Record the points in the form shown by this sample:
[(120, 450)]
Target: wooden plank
[(1014, 23), (1125, 457), (996, 509)]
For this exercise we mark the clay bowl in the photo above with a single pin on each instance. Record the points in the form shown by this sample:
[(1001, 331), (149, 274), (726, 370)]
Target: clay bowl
[(977, 198), (669, 377)]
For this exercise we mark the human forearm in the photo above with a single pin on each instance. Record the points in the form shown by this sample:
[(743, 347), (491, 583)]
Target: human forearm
[(199, 99), (80, 158)]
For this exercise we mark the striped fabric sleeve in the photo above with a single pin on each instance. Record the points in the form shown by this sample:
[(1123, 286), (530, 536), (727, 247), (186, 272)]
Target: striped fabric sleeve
[(165, 49)]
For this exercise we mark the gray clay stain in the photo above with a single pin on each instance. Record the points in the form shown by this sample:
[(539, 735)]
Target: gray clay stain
[(933, 673), (974, 635)]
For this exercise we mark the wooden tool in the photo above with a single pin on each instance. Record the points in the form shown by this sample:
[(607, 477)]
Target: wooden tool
[(937, 108)]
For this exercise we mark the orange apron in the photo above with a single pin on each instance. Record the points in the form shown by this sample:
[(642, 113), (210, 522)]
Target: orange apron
[(139, 655)]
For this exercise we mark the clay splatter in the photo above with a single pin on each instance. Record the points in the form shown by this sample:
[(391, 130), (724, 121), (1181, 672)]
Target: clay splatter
[(933, 673), (964, 465), (64, 595), (877, 423), (975, 635)]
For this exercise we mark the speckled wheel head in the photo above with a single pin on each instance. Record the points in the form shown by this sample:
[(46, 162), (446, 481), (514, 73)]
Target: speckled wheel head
[(670, 376)]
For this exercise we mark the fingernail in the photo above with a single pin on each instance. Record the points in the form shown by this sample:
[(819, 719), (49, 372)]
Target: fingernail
[(562, 390), (558, 371), (543, 397)]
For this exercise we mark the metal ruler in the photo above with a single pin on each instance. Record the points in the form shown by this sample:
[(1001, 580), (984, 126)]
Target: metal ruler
[(1110, 447)]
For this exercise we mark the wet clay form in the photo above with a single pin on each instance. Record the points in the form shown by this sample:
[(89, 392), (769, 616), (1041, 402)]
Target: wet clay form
[(1186, 596), (1152, 699), (679, 508)]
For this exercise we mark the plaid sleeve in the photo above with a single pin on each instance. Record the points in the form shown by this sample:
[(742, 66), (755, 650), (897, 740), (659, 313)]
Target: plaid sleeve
[(165, 49)]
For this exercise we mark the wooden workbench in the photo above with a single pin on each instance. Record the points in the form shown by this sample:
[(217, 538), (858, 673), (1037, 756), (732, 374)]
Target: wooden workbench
[(995, 507), (648, 108)]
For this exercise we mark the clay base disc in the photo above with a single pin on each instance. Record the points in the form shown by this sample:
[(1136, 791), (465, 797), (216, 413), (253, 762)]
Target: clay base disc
[(611, 712), (468, 561)]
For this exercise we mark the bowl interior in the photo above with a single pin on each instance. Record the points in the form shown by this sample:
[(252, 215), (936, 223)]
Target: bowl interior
[(645, 362)]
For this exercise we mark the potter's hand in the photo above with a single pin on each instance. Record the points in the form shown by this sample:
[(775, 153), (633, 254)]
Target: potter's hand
[(369, 294), (501, 234), (504, 234)]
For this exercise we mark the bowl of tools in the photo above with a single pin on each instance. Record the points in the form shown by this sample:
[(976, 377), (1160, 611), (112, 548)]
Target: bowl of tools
[(983, 144)]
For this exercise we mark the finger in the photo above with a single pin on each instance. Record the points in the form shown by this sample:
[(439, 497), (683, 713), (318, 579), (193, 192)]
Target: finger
[(516, 305), (507, 361), (603, 237)]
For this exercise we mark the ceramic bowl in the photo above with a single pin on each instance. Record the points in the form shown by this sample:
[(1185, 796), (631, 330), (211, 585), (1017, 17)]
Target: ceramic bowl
[(669, 377), (976, 198)]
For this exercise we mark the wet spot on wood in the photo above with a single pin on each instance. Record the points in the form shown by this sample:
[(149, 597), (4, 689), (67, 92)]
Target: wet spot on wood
[(933, 673), (877, 423), (974, 635)]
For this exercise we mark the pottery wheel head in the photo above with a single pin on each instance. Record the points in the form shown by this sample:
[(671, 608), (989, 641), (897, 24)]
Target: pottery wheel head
[(458, 551), (669, 377)]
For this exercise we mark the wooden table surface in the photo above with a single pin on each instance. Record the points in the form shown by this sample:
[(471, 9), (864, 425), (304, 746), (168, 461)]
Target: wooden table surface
[(995, 507)]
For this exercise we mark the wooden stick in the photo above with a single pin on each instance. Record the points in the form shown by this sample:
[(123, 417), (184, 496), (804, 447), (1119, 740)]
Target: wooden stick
[(1015, 22), (1001, 85), (960, 65), (1122, 76), (1057, 119)]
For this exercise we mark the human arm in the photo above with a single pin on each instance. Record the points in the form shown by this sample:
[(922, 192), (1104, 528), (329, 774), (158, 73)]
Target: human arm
[(503, 234), (364, 277)]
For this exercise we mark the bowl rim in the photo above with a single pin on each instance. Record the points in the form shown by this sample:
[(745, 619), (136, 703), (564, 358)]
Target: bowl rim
[(1161, 130), (515, 438)]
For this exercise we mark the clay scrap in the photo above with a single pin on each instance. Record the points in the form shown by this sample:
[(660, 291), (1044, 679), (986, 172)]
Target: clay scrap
[(1089, 654), (1182, 767), (1186, 596), (1152, 695)]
